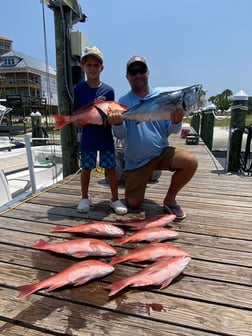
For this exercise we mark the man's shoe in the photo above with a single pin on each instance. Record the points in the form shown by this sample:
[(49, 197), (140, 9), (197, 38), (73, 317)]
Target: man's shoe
[(175, 210), (118, 207)]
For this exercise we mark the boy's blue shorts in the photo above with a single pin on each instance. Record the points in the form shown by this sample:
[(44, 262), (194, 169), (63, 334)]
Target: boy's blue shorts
[(106, 160)]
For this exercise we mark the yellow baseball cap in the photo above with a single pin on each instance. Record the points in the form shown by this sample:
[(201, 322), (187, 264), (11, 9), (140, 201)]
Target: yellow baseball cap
[(92, 51)]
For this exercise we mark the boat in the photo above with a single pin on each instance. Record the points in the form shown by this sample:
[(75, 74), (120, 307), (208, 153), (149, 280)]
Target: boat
[(41, 167)]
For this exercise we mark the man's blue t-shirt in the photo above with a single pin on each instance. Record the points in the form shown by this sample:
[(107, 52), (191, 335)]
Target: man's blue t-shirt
[(94, 137), (145, 140)]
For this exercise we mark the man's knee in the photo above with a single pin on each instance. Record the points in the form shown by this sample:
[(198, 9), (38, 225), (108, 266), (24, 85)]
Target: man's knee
[(185, 160), (133, 203), (193, 162)]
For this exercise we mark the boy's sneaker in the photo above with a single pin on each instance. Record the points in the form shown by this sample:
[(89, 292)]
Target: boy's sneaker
[(84, 205), (118, 207)]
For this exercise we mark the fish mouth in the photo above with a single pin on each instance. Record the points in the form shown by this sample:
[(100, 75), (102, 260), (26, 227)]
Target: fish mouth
[(191, 97)]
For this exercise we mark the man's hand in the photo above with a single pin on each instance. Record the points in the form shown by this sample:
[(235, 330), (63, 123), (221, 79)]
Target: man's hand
[(114, 118), (177, 116)]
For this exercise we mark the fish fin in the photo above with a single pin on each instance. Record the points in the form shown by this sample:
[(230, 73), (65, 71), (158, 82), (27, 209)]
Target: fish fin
[(26, 290), (61, 121), (166, 283), (103, 115), (40, 245), (56, 285), (79, 255), (158, 240), (80, 109), (81, 281)]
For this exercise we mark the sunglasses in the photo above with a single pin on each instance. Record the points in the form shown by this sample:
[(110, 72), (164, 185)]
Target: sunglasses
[(134, 72)]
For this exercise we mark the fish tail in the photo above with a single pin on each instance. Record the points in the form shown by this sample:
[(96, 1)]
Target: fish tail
[(27, 290), (40, 245), (116, 287), (115, 260), (61, 121), (58, 229), (137, 226), (121, 241)]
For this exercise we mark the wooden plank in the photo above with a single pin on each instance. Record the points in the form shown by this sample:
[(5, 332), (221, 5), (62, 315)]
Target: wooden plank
[(139, 303), (212, 297), (46, 261), (64, 317)]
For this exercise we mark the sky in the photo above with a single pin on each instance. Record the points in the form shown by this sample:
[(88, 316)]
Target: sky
[(186, 42)]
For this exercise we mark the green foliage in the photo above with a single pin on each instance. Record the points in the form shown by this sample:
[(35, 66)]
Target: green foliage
[(222, 100), (225, 122)]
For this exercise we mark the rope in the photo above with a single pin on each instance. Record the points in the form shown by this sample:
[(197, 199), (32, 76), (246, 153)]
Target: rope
[(218, 117), (48, 112), (213, 112), (46, 62)]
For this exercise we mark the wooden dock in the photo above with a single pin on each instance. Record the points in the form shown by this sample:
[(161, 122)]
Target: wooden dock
[(213, 296)]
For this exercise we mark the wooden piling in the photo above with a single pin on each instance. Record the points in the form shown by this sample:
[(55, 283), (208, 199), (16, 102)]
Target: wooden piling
[(207, 125), (195, 121), (239, 110)]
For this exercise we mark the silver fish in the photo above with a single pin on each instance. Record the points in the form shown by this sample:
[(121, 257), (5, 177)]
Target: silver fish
[(160, 107)]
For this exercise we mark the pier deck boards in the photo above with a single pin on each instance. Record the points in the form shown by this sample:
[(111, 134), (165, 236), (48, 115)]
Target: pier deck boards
[(213, 296)]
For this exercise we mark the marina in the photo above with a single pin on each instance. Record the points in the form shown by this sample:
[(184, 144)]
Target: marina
[(212, 294), (211, 297)]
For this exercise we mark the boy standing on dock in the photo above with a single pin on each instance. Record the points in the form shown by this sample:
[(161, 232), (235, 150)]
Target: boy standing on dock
[(95, 137)]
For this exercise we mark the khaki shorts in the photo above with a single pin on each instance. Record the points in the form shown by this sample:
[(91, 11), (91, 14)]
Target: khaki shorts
[(137, 179)]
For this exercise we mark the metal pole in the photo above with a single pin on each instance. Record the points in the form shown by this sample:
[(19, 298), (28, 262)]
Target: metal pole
[(30, 162)]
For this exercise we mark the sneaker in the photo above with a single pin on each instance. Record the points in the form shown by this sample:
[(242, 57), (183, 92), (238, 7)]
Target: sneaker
[(118, 207), (84, 205)]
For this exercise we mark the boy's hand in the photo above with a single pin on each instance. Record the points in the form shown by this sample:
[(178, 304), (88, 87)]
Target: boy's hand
[(79, 123)]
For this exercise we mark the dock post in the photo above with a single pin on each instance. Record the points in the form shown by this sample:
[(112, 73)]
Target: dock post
[(239, 110), (36, 127), (207, 125), (195, 121), (30, 162)]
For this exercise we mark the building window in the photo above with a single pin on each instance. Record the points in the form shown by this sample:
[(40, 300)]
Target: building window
[(9, 62)]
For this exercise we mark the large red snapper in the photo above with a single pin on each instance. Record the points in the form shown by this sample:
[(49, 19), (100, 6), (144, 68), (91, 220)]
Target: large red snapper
[(93, 229), (154, 234), (94, 113), (150, 252), (146, 223), (75, 275), (162, 272), (78, 248)]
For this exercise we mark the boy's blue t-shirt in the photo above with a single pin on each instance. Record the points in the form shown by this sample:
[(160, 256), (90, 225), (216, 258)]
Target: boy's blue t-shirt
[(94, 137)]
